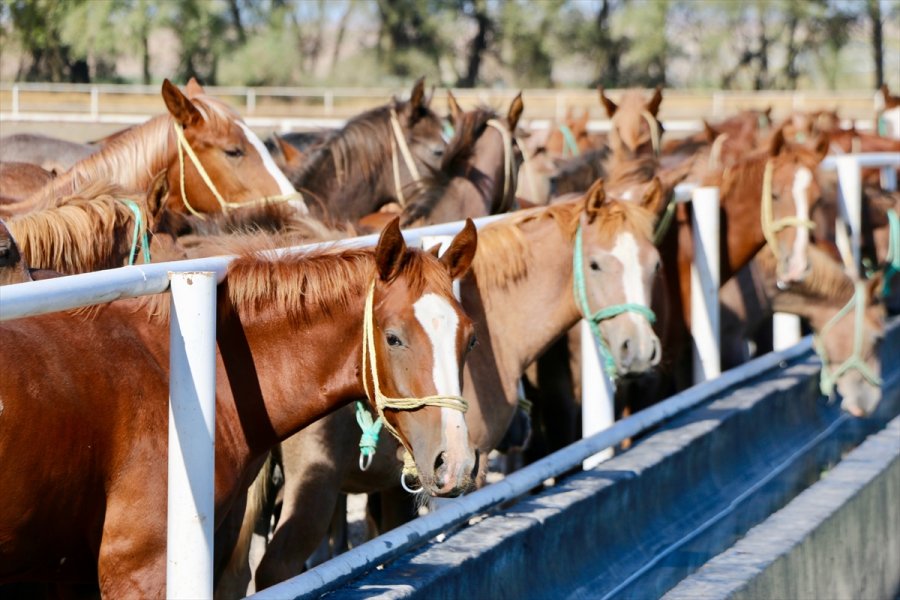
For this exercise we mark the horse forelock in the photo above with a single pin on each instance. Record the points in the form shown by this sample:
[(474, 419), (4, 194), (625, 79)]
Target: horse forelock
[(82, 232)]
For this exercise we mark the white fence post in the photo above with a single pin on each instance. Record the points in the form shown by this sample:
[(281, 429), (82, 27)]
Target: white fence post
[(597, 395), (786, 331), (95, 102), (15, 101), (849, 210), (251, 101), (192, 414), (329, 103), (705, 284)]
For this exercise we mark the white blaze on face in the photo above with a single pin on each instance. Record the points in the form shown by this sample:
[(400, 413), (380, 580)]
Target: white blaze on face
[(284, 186), (800, 190), (626, 251), (441, 322)]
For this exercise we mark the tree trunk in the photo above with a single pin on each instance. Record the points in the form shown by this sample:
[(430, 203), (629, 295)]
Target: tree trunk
[(236, 20), (339, 38), (790, 66), (761, 80), (478, 45), (877, 41)]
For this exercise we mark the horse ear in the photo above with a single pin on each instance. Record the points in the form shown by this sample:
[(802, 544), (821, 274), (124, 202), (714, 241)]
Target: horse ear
[(822, 146), (417, 95), (608, 104), (180, 107), (435, 250), (453, 107), (777, 142), (459, 256), (515, 112), (156, 195), (653, 106), (193, 88), (292, 156), (653, 196), (710, 131), (390, 251), (594, 199)]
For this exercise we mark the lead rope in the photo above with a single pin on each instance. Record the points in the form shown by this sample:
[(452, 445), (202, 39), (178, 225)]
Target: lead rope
[(382, 402), (398, 143), (140, 229), (771, 227), (654, 130), (827, 379), (569, 142), (509, 174), (185, 148), (593, 319), (893, 255)]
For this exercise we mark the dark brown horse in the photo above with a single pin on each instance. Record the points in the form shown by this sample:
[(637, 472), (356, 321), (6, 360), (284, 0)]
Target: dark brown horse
[(377, 158), (91, 506)]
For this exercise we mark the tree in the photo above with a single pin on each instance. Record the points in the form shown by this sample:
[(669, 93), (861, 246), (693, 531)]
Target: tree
[(46, 57), (481, 41), (874, 11)]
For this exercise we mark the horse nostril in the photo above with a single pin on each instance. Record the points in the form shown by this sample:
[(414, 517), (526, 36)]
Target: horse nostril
[(654, 355)]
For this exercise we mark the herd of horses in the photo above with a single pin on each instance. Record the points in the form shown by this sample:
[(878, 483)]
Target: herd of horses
[(455, 354)]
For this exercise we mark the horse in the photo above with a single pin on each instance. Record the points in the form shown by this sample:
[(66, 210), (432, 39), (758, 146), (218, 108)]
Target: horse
[(523, 261), (48, 153), (477, 175), (298, 336), (569, 138), (213, 161), (847, 318), (634, 127), (375, 159), (18, 180)]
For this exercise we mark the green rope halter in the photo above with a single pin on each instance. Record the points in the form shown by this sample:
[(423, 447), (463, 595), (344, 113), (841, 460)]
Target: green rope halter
[(828, 379), (368, 441), (570, 145), (593, 319), (138, 227), (893, 255)]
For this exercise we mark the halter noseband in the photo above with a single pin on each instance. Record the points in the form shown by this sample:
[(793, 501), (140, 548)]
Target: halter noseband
[(570, 145), (381, 401), (770, 226), (185, 148), (828, 378), (593, 319)]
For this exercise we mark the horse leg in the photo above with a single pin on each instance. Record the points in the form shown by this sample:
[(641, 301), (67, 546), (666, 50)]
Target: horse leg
[(395, 507)]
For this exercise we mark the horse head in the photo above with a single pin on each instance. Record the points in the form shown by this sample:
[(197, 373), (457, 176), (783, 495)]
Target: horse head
[(221, 162), (791, 189), (634, 127), (570, 138), (848, 345), (620, 266), (418, 337)]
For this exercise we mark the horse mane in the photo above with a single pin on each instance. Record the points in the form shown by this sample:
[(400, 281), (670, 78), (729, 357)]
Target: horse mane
[(355, 154), (459, 152), (307, 284), (81, 233), (503, 251), (623, 172), (133, 156)]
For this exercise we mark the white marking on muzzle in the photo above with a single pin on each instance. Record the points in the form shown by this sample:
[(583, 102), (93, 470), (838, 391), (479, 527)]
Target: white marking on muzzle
[(284, 186), (626, 251), (800, 190), (441, 322)]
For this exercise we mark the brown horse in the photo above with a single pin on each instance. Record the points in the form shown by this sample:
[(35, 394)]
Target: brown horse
[(198, 130), (828, 300), (524, 261), (18, 180), (571, 137), (375, 159), (90, 507), (478, 170), (634, 127)]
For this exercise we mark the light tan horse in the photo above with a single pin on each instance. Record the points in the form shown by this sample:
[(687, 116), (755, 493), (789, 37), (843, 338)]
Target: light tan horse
[(521, 297), (213, 161)]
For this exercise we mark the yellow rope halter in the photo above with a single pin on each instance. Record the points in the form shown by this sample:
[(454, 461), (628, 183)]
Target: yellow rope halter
[(770, 226), (381, 401), (399, 145), (654, 130), (185, 148)]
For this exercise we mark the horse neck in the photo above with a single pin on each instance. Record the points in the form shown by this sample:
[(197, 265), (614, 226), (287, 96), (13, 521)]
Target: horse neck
[(131, 161), (261, 402), (541, 303), (742, 227)]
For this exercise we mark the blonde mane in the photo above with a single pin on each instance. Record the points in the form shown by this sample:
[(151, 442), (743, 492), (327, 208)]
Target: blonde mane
[(80, 233)]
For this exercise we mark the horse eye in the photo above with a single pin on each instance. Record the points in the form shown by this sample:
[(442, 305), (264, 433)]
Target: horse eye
[(595, 266), (393, 340), (234, 152), (657, 267), (473, 341)]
